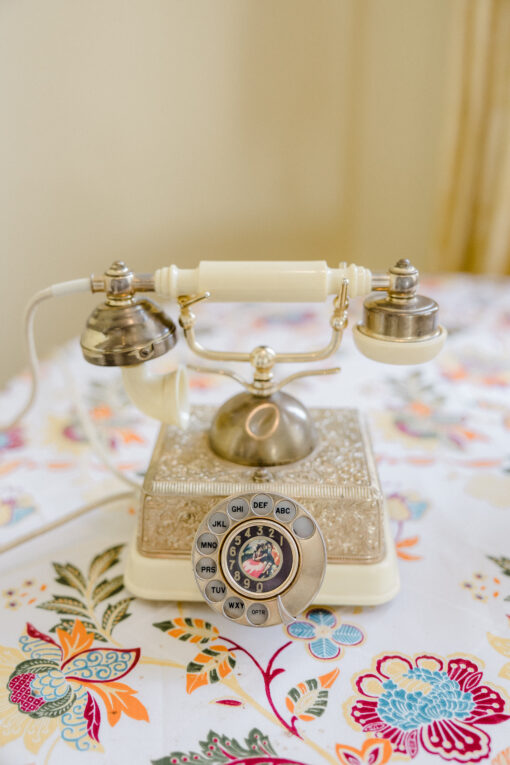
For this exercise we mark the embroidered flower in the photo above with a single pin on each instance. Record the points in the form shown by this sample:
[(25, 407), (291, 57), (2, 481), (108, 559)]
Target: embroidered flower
[(51, 685), (11, 439), (428, 701), (477, 368), (15, 506), (406, 507), (418, 420), (324, 634)]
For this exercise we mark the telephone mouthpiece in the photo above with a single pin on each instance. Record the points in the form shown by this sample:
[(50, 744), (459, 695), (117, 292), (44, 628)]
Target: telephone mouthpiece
[(400, 327)]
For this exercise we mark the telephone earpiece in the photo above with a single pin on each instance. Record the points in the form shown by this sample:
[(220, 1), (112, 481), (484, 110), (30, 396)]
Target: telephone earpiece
[(401, 327)]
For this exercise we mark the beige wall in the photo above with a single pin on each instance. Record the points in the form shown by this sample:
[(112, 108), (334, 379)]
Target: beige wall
[(168, 131)]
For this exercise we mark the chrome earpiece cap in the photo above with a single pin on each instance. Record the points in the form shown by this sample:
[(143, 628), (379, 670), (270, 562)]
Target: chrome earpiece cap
[(401, 315), (386, 319), (401, 327)]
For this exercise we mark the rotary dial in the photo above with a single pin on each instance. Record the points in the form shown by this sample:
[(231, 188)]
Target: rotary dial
[(259, 559)]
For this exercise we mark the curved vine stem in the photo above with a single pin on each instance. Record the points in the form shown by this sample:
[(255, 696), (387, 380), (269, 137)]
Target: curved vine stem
[(268, 675)]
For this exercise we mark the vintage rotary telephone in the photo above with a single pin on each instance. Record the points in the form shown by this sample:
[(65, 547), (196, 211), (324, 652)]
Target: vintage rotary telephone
[(260, 493), (259, 506)]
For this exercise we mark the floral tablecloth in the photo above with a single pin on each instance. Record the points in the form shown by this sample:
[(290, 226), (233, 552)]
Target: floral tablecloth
[(91, 675)]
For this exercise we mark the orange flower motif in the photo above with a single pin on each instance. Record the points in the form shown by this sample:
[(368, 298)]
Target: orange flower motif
[(72, 643), (404, 543), (375, 751)]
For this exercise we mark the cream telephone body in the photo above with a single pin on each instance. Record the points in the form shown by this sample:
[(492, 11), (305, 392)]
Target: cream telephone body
[(261, 506)]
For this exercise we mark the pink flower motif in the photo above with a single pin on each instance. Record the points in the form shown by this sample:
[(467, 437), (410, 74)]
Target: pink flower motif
[(11, 439), (61, 681), (428, 701)]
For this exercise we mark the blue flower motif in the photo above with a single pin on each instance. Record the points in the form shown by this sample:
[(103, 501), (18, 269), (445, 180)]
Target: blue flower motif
[(50, 685), (426, 701), (324, 634), (407, 711)]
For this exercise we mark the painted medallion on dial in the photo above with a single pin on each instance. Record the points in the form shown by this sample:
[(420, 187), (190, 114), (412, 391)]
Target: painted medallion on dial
[(259, 558)]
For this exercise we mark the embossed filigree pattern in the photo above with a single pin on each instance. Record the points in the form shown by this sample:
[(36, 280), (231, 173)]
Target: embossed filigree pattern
[(339, 458), (352, 526)]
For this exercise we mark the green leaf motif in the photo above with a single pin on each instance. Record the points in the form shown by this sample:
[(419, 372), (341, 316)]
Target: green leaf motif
[(67, 625), (164, 626), (65, 605), (34, 666), (115, 613), (107, 588), (92, 592), (217, 750), (188, 629), (209, 666), (70, 576), (308, 700), (502, 562), (57, 707), (104, 561)]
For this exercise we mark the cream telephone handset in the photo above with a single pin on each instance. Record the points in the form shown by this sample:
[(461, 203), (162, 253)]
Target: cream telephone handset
[(257, 507)]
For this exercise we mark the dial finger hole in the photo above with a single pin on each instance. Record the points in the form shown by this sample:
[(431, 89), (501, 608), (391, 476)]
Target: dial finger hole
[(216, 590), (285, 510), (219, 523), (258, 614), (233, 608), (238, 508), (262, 504), (303, 527), (206, 568), (207, 543)]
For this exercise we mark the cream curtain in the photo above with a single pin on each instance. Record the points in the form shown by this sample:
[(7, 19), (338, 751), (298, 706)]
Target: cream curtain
[(474, 229)]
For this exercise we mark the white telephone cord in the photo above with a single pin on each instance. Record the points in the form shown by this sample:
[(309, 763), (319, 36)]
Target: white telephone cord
[(66, 519), (62, 288), (90, 431)]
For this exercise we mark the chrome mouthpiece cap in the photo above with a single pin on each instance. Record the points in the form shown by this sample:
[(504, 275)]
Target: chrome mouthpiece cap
[(122, 331), (121, 335)]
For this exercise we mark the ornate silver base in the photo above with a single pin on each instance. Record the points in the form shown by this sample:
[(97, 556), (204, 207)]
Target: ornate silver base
[(345, 584), (337, 483)]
